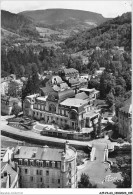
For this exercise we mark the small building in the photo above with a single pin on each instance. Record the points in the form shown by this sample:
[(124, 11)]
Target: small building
[(125, 119), (45, 167), (7, 104), (68, 73), (9, 170), (5, 83)]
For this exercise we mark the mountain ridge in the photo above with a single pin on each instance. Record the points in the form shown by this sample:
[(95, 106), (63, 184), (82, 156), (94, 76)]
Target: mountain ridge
[(59, 16)]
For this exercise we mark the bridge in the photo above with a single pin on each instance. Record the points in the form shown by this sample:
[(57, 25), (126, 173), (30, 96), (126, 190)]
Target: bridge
[(99, 151)]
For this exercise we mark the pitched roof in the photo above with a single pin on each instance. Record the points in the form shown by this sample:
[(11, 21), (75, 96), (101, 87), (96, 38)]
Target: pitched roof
[(82, 96), (10, 171), (70, 71), (45, 153), (73, 102)]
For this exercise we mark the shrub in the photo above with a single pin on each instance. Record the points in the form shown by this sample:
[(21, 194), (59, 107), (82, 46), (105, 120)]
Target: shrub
[(66, 127), (120, 141)]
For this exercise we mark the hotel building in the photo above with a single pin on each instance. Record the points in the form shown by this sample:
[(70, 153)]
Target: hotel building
[(46, 167)]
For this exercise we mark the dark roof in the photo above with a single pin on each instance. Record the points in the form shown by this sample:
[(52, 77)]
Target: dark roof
[(62, 95), (46, 89), (82, 96), (45, 153), (70, 70)]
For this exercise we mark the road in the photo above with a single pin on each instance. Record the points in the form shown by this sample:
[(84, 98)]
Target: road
[(32, 136)]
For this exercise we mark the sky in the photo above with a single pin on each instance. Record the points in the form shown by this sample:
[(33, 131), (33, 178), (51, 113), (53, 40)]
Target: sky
[(107, 8)]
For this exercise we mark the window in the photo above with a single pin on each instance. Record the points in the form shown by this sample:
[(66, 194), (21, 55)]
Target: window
[(41, 179), (47, 173), (31, 162), (31, 178), (47, 163), (53, 164), (5, 174), (37, 172), (40, 172), (58, 164), (41, 163), (69, 180), (26, 162), (26, 171), (58, 181), (20, 161)]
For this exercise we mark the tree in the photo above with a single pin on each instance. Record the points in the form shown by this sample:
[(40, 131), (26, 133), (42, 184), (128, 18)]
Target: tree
[(93, 83), (16, 109), (124, 166), (94, 132), (110, 99), (99, 125), (13, 89), (85, 182)]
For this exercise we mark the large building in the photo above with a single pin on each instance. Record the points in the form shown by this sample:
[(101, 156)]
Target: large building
[(46, 167), (59, 104), (125, 119), (62, 108)]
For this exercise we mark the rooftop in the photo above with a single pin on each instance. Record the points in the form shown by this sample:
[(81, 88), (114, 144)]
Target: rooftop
[(81, 96), (87, 90), (7, 168), (42, 98), (70, 70), (45, 153), (73, 102), (91, 114)]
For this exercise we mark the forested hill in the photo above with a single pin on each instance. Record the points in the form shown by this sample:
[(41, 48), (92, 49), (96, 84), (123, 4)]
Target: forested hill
[(115, 32), (17, 24), (65, 18)]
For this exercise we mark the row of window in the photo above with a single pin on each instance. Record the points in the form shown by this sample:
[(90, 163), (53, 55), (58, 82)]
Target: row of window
[(27, 162), (38, 172), (42, 116)]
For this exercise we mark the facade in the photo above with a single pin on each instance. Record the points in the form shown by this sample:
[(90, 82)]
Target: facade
[(59, 104), (125, 119), (60, 108), (46, 167), (68, 73)]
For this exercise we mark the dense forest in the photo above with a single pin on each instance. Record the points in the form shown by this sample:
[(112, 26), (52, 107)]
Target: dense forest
[(18, 24), (19, 61), (115, 32)]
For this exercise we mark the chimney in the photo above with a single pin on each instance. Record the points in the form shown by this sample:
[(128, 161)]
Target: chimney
[(66, 145), (34, 155), (18, 151)]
